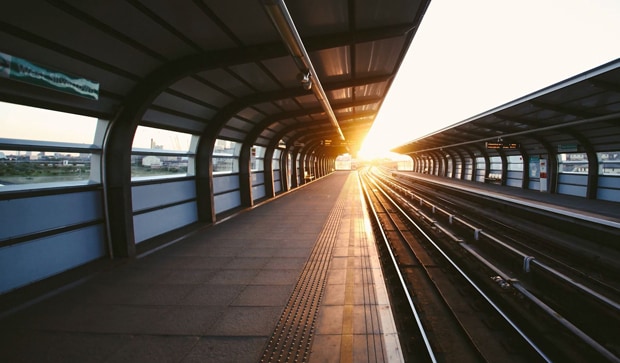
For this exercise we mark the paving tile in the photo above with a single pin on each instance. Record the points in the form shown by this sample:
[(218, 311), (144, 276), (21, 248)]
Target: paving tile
[(247, 263), (365, 320), (329, 320), (368, 348), (141, 294), (338, 263), (188, 262), (325, 349), (263, 295), (187, 320), (336, 276), (212, 295), (276, 277), (280, 263), (190, 277), (247, 321), (258, 252), (301, 252), (154, 349), (234, 277), (226, 350), (333, 295), (110, 319), (59, 347)]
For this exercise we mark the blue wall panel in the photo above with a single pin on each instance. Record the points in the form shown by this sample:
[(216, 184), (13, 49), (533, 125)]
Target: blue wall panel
[(576, 179), (258, 178), (28, 262), (608, 188), (258, 192), (514, 183), (512, 174), (572, 184), (576, 190), (612, 195), (612, 182), (148, 225), (227, 201), (154, 195), (514, 179), (25, 216), (224, 183)]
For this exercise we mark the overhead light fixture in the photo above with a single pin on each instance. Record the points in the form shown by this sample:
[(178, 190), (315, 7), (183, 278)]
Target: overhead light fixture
[(305, 80), (281, 19)]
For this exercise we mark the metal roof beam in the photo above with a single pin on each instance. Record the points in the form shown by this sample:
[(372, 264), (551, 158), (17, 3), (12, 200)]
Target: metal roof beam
[(281, 18)]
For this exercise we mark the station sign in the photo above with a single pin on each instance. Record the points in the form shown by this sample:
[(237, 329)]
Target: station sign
[(567, 148), (502, 145), (25, 71)]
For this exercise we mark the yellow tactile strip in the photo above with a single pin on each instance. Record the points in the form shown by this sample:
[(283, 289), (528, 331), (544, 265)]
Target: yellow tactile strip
[(292, 337)]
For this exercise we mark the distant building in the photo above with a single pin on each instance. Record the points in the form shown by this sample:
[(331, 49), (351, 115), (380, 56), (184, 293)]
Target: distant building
[(151, 161)]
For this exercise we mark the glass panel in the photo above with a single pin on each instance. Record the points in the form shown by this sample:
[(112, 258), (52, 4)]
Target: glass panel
[(29, 167), (152, 166), (609, 163), (31, 123), (258, 151), (158, 165), (257, 164), (226, 148), (515, 162), (256, 158), (277, 154), (223, 165), (573, 163), (160, 139), (30, 134), (495, 163)]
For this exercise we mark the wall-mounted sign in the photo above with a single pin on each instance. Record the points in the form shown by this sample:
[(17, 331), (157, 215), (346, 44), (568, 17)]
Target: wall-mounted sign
[(534, 167), (567, 148), (502, 145), (22, 70), (543, 175)]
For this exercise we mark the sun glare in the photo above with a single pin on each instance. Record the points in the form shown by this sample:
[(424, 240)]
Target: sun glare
[(377, 148)]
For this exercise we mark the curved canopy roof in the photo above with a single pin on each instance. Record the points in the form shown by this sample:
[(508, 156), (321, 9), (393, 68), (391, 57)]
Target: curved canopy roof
[(217, 68), (581, 113)]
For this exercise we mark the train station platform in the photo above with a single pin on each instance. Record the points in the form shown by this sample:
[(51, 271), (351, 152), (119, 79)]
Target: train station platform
[(294, 279), (596, 211)]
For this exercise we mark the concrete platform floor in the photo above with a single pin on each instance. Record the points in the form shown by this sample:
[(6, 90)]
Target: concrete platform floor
[(219, 294)]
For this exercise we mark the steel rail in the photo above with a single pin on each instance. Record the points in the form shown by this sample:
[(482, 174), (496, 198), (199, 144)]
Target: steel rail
[(504, 316), (401, 279), (557, 274)]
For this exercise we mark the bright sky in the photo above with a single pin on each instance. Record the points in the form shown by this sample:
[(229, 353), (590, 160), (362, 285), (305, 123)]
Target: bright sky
[(471, 56)]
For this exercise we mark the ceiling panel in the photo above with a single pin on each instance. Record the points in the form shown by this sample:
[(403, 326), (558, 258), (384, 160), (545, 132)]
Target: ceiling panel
[(198, 63)]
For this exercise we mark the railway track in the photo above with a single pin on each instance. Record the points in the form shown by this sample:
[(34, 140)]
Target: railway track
[(476, 309), (447, 305)]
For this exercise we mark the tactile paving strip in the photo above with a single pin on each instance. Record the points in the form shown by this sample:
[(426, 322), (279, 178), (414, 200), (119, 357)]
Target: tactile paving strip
[(292, 337)]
